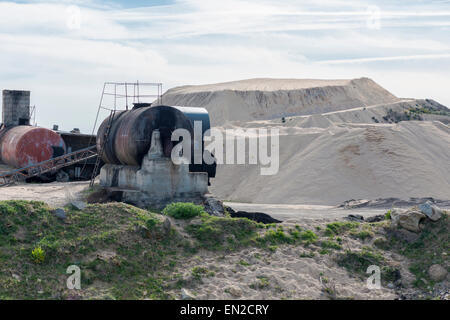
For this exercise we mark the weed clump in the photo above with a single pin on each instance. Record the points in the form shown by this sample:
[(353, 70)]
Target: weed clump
[(309, 237), (217, 233), (337, 228), (327, 244), (358, 261), (183, 210), (363, 235), (38, 255)]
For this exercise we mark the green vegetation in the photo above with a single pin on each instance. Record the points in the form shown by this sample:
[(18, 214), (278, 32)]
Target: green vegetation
[(199, 272), (387, 216), (126, 253), (278, 236), (307, 254), (262, 283), (381, 243), (216, 233), (357, 262), (308, 237), (118, 245), (183, 210), (38, 255), (244, 263), (327, 244), (363, 235), (430, 248), (428, 110), (337, 228)]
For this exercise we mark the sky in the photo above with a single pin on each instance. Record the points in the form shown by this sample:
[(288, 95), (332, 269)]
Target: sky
[(64, 51)]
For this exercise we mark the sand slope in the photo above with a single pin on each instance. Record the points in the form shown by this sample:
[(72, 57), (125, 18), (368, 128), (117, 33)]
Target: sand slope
[(347, 161), (255, 99), (336, 143)]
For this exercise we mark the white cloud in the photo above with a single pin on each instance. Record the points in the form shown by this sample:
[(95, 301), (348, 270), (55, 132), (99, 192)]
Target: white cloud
[(195, 41)]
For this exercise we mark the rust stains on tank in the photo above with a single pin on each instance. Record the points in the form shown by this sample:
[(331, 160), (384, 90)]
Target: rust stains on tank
[(22, 146), (130, 135)]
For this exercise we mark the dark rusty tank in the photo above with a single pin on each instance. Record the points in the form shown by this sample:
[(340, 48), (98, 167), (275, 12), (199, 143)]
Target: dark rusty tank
[(131, 131), (22, 146)]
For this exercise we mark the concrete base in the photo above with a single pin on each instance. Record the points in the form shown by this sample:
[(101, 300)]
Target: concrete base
[(156, 183)]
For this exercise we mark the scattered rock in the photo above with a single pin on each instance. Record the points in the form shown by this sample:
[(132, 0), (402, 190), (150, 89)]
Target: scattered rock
[(79, 205), (234, 291), (350, 204), (255, 216), (405, 235), (143, 231), (186, 295), (214, 207), (16, 276), (376, 218), (408, 220), (166, 226), (431, 211), (62, 176), (390, 285), (437, 273), (60, 213), (106, 255), (355, 217)]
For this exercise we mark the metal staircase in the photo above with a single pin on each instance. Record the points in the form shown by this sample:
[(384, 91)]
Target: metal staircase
[(49, 166), (116, 97)]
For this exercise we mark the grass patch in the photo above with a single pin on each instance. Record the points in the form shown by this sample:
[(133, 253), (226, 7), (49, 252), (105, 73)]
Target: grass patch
[(308, 237), (118, 245), (430, 248), (358, 261), (363, 235), (278, 236), (261, 283), (223, 233), (328, 244), (337, 228), (183, 210)]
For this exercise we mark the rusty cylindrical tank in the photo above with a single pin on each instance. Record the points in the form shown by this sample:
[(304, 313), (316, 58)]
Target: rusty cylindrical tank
[(22, 146), (131, 131)]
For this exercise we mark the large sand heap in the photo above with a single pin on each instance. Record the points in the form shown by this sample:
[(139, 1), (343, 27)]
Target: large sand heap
[(336, 144), (264, 99), (346, 161)]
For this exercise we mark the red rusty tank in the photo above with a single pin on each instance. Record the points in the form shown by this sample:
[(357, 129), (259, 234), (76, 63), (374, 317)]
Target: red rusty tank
[(22, 146)]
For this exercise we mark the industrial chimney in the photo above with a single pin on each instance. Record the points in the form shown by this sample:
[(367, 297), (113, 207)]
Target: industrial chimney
[(16, 108)]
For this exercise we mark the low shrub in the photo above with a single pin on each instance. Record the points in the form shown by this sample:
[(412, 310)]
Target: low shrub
[(183, 210)]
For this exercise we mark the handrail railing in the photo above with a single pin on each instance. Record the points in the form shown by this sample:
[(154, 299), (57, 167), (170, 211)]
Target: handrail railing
[(51, 165)]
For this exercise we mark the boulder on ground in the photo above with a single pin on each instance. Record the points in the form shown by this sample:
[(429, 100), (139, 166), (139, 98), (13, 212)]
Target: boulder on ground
[(234, 291), (186, 295), (167, 225), (376, 218), (405, 235), (408, 220), (60, 213), (437, 273), (214, 207), (355, 217), (79, 205), (431, 211)]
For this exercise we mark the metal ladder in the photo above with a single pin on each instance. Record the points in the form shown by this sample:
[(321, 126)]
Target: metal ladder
[(52, 165), (122, 93)]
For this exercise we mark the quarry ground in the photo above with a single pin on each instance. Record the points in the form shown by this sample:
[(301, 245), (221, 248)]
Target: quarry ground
[(128, 253)]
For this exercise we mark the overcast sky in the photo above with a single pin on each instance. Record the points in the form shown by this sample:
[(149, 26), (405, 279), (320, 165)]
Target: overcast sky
[(63, 51)]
